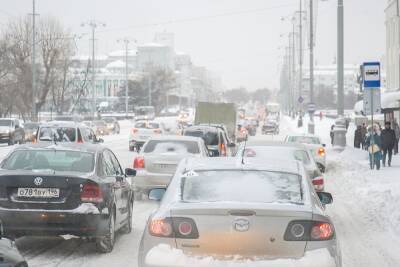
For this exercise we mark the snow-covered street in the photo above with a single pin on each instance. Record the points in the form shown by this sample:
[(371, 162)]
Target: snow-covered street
[(365, 211)]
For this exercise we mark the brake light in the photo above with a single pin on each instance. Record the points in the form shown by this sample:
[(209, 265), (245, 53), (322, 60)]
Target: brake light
[(304, 230), (321, 152), (222, 149), (157, 131), (318, 183), (322, 231), (175, 227), (91, 192), (138, 163), (134, 130)]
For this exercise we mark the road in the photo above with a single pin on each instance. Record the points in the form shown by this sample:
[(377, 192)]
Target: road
[(364, 241)]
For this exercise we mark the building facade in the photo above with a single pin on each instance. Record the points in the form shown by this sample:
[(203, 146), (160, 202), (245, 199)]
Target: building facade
[(392, 22)]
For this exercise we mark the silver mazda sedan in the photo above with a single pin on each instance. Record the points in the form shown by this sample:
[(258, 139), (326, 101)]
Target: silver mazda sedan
[(240, 212)]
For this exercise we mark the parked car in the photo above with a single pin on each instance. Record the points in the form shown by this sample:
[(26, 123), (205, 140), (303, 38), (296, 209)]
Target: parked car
[(225, 209), (65, 189), (141, 132), (271, 151), (31, 129), (66, 132), (315, 146), (112, 125), (157, 161), (11, 131), (270, 127), (214, 138)]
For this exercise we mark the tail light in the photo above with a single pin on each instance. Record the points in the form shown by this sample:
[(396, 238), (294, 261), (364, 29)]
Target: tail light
[(309, 231), (318, 183), (138, 163), (176, 227), (157, 131), (321, 152), (222, 149), (134, 130), (91, 192)]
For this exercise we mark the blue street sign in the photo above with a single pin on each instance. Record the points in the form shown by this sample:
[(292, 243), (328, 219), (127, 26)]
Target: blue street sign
[(311, 107), (372, 75), (301, 99)]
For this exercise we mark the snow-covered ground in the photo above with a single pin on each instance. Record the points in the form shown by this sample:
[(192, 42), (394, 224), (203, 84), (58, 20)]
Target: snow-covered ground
[(365, 210)]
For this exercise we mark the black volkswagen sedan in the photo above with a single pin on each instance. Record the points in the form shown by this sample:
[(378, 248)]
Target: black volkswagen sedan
[(65, 189)]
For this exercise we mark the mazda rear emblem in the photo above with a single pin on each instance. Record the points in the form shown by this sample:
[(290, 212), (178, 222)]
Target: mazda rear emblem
[(38, 181), (241, 225)]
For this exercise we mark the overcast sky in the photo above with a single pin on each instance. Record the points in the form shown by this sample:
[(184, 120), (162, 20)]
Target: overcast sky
[(239, 39)]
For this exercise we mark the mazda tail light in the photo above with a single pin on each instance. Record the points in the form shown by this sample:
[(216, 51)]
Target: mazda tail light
[(174, 227), (138, 163), (303, 230)]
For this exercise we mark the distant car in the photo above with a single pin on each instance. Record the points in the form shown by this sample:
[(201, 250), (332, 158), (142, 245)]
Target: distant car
[(141, 132), (157, 161), (101, 127), (65, 189), (224, 129), (224, 209), (214, 138), (31, 129), (270, 127), (112, 125), (11, 131), (145, 113), (271, 151), (315, 146), (66, 132)]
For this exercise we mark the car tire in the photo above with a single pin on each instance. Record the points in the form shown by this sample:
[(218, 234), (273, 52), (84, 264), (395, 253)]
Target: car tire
[(11, 141), (127, 228), (105, 244)]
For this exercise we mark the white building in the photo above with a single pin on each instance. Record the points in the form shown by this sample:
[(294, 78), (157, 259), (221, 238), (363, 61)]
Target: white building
[(392, 22), (155, 55)]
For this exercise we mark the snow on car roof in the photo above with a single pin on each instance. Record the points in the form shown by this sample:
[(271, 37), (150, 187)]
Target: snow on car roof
[(175, 138), (290, 166)]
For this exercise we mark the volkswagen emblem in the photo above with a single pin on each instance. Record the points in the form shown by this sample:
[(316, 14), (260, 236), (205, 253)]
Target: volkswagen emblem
[(38, 181), (241, 225)]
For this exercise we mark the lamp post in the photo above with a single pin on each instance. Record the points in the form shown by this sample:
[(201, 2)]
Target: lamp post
[(311, 125), (93, 25)]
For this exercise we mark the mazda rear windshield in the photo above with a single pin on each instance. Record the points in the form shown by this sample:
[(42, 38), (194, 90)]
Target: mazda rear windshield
[(172, 146), (241, 186), (58, 134), (56, 160)]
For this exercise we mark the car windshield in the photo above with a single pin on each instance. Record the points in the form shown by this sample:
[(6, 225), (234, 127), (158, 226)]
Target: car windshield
[(241, 186), (5, 122), (172, 146), (31, 126), (280, 153), (58, 134), (56, 160), (304, 140), (210, 138)]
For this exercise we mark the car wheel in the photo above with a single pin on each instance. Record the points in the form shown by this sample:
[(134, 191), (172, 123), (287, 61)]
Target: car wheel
[(11, 141), (127, 228), (105, 244)]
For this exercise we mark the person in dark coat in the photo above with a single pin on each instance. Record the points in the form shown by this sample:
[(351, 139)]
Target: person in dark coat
[(388, 141), (332, 133), (396, 129), (358, 138), (374, 144), (363, 135)]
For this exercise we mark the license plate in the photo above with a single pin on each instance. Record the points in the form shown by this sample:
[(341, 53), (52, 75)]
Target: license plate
[(39, 192)]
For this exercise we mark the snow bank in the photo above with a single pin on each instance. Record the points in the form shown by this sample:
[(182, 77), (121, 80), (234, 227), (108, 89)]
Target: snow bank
[(164, 255)]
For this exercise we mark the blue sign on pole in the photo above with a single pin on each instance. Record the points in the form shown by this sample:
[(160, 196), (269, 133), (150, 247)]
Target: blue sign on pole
[(372, 75)]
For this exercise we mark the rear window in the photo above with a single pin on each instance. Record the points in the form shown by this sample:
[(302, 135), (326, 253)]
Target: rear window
[(31, 126), (304, 140), (210, 138), (150, 125), (57, 160), (5, 122), (279, 153), (172, 146), (59, 134), (242, 186)]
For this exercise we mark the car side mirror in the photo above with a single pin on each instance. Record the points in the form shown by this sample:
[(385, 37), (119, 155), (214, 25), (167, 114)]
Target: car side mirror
[(157, 194), (231, 145), (325, 198), (130, 172), (213, 153)]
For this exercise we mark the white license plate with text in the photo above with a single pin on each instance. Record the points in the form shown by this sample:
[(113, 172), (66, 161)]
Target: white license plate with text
[(39, 192)]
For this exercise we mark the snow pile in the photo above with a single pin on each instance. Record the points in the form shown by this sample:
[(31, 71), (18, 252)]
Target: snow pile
[(164, 255)]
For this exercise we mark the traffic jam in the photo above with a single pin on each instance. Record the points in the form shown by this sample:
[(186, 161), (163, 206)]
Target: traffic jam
[(224, 187)]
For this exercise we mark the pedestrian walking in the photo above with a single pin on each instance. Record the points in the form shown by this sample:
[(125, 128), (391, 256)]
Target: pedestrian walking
[(388, 137), (374, 143), (332, 134), (358, 138), (396, 129), (363, 135)]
